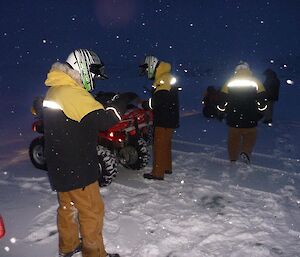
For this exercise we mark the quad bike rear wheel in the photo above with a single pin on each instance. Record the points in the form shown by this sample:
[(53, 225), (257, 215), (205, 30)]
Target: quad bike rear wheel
[(107, 166), (36, 153), (135, 156)]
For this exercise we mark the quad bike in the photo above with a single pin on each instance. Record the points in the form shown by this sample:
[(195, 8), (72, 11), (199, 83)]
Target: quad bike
[(125, 143)]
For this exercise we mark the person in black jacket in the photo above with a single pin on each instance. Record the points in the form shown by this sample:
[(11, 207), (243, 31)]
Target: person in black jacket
[(272, 85), (243, 101), (72, 120), (165, 105), (210, 101)]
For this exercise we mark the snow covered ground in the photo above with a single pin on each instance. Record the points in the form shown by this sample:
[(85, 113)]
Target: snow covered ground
[(206, 208)]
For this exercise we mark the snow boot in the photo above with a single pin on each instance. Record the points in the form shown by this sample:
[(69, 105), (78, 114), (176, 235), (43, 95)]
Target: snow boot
[(70, 254), (245, 158), (150, 176), (112, 255)]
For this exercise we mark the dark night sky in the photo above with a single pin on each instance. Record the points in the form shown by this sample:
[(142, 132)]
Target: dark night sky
[(203, 40)]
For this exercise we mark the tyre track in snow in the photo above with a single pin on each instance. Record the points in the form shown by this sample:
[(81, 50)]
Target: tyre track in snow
[(278, 181), (220, 148), (213, 152)]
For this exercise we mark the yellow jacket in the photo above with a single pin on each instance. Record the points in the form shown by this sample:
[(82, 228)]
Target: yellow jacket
[(67, 91), (163, 77)]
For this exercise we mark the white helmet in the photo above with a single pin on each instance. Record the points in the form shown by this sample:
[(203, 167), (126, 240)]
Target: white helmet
[(89, 66), (242, 66), (149, 66)]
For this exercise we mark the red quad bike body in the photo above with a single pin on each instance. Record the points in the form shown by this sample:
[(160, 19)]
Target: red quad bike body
[(2, 227), (125, 143)]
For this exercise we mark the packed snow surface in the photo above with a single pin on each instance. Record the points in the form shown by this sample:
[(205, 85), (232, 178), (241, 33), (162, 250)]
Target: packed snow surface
[(206, 208)]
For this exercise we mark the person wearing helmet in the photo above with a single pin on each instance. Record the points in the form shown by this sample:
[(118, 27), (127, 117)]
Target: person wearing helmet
[(243, 101), (165, 105), (72, 119)]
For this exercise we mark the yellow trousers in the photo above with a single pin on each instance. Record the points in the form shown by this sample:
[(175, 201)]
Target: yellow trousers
[(241, 140), (81, 212), (162, 151)]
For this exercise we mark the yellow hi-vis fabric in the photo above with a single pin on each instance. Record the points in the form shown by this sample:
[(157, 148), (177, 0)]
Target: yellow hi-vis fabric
[(244, 74), (75, 101), (163, 77)]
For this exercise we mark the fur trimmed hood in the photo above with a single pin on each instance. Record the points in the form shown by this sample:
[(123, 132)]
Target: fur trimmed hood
[(62, 67), (66, 90)]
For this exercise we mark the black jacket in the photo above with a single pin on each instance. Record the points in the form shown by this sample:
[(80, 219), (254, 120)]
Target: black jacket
[(70, 147), (72, 120), (165, 106), (242, 109), (165, 100), (243, 104)]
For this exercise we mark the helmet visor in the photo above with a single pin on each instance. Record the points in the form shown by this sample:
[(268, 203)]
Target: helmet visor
[(97, 71), (143, 69)]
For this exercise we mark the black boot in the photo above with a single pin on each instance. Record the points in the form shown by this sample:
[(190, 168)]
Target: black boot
[(168, 172), (150, 176), (112, 255)]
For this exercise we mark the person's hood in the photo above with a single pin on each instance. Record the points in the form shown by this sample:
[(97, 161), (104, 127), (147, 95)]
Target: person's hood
[(67, 91), (163, 67), (243, 73), (270, 73), (61, 74), (162, 77)]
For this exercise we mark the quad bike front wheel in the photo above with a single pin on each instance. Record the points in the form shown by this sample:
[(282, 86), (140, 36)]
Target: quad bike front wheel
[(107, 166), (36, 153), (135, 156), (147, 134)]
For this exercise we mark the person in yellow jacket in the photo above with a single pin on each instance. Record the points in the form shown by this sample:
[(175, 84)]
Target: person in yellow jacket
[(72, 120), (165, 105), (243, 101)]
